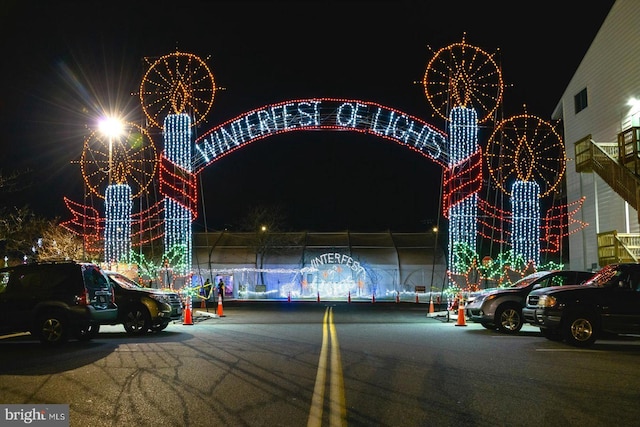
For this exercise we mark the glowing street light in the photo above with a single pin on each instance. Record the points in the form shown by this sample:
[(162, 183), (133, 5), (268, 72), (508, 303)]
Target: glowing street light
[(117, 230), (112, 128)]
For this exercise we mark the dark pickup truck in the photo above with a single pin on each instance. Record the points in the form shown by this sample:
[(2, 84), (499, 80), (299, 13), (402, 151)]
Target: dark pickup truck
[(609, 302)]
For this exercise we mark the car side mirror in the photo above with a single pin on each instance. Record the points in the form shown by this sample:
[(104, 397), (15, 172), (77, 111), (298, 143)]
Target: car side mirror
[(536, 286)]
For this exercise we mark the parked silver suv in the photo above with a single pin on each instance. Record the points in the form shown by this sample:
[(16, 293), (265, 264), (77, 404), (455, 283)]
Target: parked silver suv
[(501, 308)]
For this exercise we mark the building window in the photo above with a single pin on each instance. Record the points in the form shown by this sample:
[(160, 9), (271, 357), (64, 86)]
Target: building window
[(581, 100)]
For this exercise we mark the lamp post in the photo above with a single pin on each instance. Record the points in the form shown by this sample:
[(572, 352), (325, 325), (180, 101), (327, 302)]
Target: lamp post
[(117, 234), (435, 250), (112, 128)]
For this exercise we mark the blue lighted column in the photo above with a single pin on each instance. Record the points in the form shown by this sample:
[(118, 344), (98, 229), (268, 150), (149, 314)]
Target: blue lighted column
[(525, 204), (463, 215), (177, 220), (117, 232)]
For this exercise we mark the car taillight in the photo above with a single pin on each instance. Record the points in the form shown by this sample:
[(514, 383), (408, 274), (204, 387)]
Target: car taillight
[(83, 299)]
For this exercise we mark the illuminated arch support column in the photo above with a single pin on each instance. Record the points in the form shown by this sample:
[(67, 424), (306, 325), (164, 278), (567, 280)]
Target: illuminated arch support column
[(117, 232), (525, 203), (178, 187), (464, 180)]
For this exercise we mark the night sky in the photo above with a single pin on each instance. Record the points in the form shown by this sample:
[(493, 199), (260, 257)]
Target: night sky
[(66, 62)]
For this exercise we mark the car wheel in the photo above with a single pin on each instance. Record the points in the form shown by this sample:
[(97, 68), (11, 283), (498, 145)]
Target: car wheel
[(489, 326), (87, 332), (551, 334), (159, 327), (52, 328), (137, 321), (580, 330), (509, 319)]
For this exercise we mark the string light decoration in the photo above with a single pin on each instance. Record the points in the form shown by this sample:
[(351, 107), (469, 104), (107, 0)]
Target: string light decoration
[(526, 220), (557, 223), (117, 241), (174, 84), (463, 185), (87, 222), (461, 75), (526, 148), (463, 84), (158, 271), (558, 219), (526, 159), (334, 114), (133, 160), (117, 167), (179, 187), (506, 269)]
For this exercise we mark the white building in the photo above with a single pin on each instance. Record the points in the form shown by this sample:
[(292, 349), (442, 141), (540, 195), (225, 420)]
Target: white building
[(601, 128)]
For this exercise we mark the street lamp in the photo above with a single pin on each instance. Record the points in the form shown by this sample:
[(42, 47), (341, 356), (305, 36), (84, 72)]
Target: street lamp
[(117, 230), (112, 128), (435, 249)]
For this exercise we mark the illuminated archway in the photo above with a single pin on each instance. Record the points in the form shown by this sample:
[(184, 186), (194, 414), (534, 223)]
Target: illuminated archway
[(178, 176), (320, 114)]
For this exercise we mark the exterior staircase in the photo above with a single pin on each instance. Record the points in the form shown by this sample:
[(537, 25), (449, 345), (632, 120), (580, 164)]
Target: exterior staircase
[(618, 164)]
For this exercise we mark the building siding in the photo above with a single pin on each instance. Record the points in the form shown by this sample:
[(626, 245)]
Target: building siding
[(610, 70)]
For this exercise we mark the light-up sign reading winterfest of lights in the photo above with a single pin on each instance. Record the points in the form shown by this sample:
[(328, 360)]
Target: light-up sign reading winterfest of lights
[(321, 114), (336, 258)]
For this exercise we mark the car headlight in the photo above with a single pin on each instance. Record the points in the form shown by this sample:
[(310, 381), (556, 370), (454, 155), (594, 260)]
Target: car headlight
[(547, 301), (159, 297)]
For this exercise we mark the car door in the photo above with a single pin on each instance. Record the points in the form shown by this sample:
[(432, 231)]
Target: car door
[(621, 304), (18, 299)]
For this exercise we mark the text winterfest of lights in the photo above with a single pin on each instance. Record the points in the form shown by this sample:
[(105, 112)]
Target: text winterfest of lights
[(321, 114)]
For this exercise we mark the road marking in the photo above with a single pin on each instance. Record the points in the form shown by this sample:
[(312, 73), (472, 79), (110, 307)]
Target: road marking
[(337, 405)]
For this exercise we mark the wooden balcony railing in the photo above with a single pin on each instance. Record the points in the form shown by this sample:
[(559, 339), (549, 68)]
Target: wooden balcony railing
[(605, 160), (614, 247), (618, 164)]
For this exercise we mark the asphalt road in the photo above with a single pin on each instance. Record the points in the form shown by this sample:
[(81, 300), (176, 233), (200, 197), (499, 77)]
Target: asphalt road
[(329, 364)]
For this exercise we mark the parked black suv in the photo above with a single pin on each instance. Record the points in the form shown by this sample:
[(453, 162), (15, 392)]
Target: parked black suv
[(609, 302), (142, 309), (501, 308), (55, 300)]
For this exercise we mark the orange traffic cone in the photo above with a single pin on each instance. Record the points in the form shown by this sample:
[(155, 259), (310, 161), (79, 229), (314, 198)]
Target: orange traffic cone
[(203, 303), (373, 298), (318, 296), (289, 297), (431, 308), (220, 309), (188, 318), (397, 297), (349, 298), (461, 316)]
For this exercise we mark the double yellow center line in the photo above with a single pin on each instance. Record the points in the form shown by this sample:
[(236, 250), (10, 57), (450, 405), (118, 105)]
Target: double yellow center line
[(337, 406)]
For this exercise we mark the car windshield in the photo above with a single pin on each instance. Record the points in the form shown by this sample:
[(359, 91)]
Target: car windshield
[(123, 281), (606, 276), (526, 281)]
